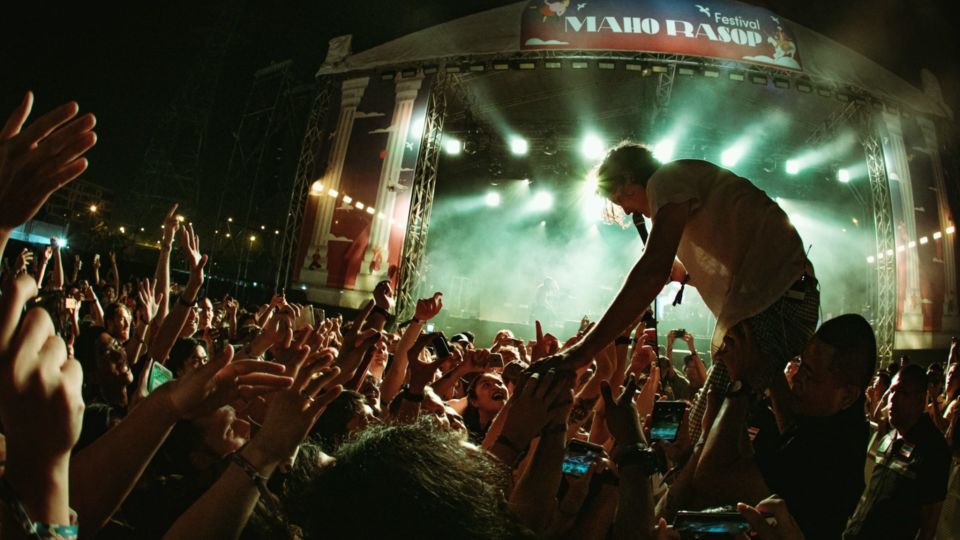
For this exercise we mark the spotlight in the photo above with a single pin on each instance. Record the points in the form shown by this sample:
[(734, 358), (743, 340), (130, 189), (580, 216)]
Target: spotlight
[(843, 175), (61, 242), (519, 146), (732, 155), (542, 201), (316, 188), (230, 219), (452, 146), (924, 240), (793, 167), (543, 223), (663, 150), (590, 185), (579, 65), (592, 147), (347, 199), (525, 182), (253, 238), (93, 209), (123, 230), (950, 229), (937, 235), (492, 199), (870, 259), (180, 219), (331, 192)]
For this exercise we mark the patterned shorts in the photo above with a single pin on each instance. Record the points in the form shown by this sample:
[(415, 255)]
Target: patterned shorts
[(781, 332)]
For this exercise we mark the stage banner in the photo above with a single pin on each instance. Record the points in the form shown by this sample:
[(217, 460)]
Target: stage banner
[(354, 224), (727, 30)]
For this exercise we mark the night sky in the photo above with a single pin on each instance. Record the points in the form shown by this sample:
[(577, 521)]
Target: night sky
[(126, 62)]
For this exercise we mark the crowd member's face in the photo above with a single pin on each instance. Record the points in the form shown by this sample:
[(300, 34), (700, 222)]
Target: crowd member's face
[(119, 325), (223, 432), (363, 417), (817, 388), (491, 393), (879, 385), (193, 322), (692, 374), (206, 313), (110, 294), (907, 403), (196, 359), (114, 375), (791, 369)]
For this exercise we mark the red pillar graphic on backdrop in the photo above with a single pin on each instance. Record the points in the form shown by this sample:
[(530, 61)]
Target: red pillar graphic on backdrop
[(359, 218)]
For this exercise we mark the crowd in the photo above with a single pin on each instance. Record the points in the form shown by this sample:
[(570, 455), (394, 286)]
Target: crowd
[(142, 408)]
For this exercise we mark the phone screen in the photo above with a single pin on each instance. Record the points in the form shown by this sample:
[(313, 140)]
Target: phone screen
[(430, 328), (695, 525), (579, 456), (666, 419), (159, 375)]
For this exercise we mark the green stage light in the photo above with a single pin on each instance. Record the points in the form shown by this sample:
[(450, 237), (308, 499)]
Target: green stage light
[(793, 166), (592, 146), (843, 175), (732, 155), (492, 199), (519, 146), (663, 150), (543, 200)]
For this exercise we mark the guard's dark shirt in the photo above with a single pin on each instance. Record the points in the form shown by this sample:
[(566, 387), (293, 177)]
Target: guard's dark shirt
[(911, 472), (817, 467)]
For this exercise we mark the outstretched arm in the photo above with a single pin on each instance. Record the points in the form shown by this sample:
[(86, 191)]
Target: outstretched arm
[(642, 285)]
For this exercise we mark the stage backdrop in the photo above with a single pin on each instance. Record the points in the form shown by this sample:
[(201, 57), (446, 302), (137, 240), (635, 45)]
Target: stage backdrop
[(356, 214), (728, 30)]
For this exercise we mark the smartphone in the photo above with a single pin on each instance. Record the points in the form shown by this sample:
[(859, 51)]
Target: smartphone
[(696, 525), (305, 319), (441, 348), (665, 420), (320, 315), (579, 456), (679, 333), (159, 375), (430, 328), (71, 303), (650, 337)]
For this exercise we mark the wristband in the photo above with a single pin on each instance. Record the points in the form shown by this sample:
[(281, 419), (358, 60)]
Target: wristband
[(410, 396), (259, 480), (636, 454), (32, 528), (381, 311), (624, 340)]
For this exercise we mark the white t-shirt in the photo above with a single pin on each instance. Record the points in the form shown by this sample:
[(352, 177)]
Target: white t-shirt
[(739, 247)]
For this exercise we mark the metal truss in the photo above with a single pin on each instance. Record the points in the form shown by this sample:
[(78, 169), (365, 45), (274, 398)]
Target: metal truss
[(421, 200), (664, 92), (306, 172), (886, 307)]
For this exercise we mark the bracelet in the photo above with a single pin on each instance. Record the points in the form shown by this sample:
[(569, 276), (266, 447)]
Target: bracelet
[(381, 311), (184, 302), (32, 528), (624, 340), (259, 480), (410, 396)]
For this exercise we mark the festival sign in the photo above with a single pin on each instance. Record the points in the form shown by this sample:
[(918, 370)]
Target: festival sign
[(728, 30)]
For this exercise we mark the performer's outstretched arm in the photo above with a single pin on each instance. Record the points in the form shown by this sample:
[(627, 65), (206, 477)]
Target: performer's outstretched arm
[(642, 285)]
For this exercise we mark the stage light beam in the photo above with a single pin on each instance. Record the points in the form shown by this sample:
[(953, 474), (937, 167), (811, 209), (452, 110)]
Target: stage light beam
[(793, 166), (592, 147), (452, 146), (663, 150), (732, 155), (492, 199), (519, 146), (543, 200), (843, 176)]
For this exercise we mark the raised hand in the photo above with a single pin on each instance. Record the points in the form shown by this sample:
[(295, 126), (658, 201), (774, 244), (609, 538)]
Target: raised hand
[(535, 405), (196, 261), (786, 527), (96, 261), (623, 420), (293, 411), (170, 227), (545, 345), (222, 381), (149, 300), (383, 295), (428, 308), (40, 158), (41, 406), (23, 261)]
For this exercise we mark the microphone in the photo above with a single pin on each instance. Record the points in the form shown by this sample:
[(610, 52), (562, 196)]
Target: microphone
[(641, 226)]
